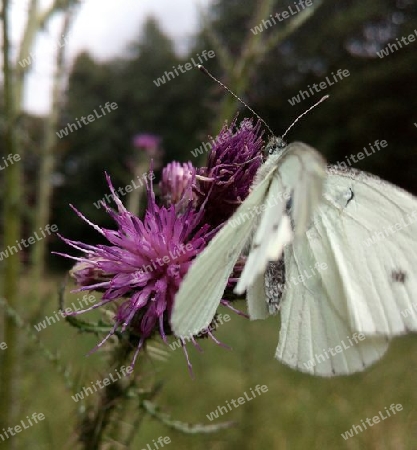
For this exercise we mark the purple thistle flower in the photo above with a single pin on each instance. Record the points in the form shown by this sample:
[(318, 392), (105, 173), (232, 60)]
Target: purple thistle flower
[(233, 161), (144, 263), (146, 141), (177, 183), (88, 273), (147, 259)]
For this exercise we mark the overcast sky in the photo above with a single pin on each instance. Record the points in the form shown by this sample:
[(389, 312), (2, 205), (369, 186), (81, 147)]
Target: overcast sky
[(104, 28)]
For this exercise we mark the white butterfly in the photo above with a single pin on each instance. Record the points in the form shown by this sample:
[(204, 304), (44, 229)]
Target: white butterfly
[(339, 320)]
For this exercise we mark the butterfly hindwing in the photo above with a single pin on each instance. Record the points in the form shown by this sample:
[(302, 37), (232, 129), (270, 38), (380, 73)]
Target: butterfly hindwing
[(257, 300), (315, 336)]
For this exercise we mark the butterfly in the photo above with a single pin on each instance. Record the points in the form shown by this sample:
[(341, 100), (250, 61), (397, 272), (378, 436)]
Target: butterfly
[(358, 229), (339, 320)]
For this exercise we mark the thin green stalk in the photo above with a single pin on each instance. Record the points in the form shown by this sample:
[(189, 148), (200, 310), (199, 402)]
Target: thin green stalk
[(98, 417), (133, 201), (53, 358), (25, 47), (255, 47), (47, 162), (12, 228)]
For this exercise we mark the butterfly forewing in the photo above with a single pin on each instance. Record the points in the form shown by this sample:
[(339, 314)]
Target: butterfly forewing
[(202, 288), (301, 171)]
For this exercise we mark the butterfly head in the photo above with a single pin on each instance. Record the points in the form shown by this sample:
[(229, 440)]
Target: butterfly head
[(274, 146)]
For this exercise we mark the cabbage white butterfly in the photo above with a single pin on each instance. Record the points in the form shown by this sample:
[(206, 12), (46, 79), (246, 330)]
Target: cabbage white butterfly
[(336, 321)]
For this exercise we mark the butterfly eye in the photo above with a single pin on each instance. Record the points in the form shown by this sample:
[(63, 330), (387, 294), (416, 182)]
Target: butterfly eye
[(270, 149), (274, 146), (280, 143)]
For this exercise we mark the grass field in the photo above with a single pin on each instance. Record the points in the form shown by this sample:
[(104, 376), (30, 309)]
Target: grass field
[(297, 412)]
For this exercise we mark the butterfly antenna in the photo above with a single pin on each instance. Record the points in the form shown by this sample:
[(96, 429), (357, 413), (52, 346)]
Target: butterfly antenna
[(303, 114), (205, 71)]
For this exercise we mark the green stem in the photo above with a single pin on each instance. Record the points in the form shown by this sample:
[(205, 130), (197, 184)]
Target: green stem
[(97, 418), (25, 47), (54, 359), (12, 220), (133, 201), (255, 47), (47, 162)]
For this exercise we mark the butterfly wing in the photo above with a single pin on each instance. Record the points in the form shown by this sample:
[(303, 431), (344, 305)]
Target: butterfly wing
[(202, 288), (373, 242), (363, 241), (315, 335), (256, 299), (299, 175)]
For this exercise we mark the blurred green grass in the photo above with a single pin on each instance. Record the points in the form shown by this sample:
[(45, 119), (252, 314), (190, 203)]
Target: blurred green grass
[(297, 412)]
